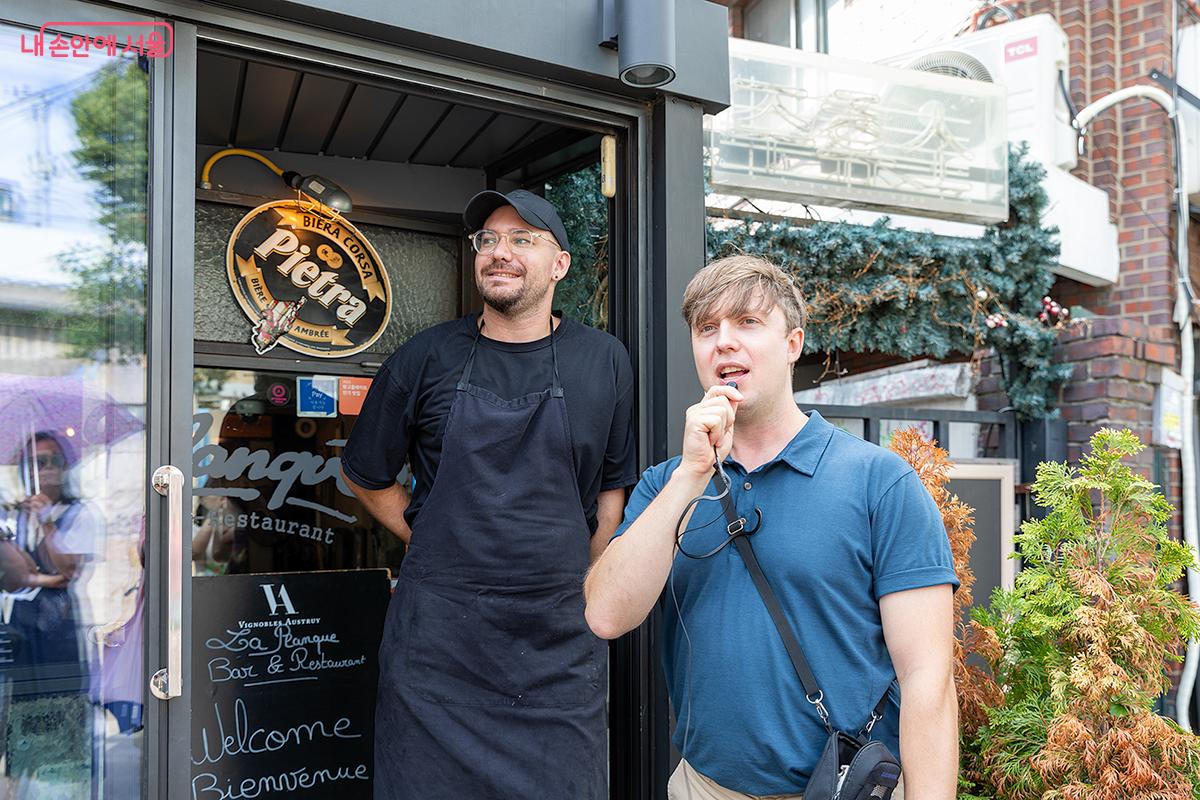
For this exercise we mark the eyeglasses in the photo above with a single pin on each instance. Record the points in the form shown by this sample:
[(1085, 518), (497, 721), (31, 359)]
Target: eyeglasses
[(56, 460), (485, 241)]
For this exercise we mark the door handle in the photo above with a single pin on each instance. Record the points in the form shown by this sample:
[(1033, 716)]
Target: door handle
[(168, 682)]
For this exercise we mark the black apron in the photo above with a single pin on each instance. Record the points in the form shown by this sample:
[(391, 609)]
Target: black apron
[(491, 684)]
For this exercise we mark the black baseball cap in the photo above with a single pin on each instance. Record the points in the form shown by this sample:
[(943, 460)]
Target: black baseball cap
[(535, 210)]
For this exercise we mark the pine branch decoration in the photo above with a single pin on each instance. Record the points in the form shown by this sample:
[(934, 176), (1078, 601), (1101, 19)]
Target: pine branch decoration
[(914, 294)]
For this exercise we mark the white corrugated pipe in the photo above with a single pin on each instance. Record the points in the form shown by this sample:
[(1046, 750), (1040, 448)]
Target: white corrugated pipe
[(1183, 318)]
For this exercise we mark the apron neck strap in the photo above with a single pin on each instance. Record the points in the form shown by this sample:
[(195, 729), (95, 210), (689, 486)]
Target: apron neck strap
[(555, 388), (465, 378)]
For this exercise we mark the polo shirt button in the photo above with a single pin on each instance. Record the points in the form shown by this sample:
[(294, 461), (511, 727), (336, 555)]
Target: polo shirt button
[(747, 486)]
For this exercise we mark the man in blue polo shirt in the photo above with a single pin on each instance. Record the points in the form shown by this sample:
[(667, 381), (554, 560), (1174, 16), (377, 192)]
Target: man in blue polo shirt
[(849, 538)]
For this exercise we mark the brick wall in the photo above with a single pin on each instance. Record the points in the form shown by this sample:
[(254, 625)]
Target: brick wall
[(1117, 366), (1130, 147), (1118, 356)]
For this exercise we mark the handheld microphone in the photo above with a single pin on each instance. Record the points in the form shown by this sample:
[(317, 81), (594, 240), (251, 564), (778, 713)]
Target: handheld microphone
[(716, 456)]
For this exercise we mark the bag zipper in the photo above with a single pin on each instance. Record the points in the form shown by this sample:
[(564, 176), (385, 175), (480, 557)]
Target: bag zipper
[(842, 772)]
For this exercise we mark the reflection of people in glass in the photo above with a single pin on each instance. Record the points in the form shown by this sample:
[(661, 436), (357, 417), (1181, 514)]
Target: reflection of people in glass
[(122, 686), (223, 540), (260, 509), (43, 547), (213, 535), (268, 495)]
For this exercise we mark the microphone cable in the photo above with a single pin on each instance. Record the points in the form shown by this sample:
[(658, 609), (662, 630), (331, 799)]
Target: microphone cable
[(719, 471)]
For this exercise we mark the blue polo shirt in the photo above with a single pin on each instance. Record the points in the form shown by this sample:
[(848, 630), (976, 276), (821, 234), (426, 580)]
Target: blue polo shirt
[(845, 522)]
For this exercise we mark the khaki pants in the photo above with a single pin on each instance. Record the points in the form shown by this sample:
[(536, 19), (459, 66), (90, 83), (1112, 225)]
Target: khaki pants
[(688, 784)]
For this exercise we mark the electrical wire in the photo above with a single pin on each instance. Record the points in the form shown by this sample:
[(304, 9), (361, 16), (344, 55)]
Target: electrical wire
[(985, 14), (679, 534), (1062, 86)]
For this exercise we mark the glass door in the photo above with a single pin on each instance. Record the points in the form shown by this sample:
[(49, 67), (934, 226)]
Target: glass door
[(81, 341), (296, 306)]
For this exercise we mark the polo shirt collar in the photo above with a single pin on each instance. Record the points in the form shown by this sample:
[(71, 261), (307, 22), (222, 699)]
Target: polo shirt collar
[(805, 449), (803, 453)]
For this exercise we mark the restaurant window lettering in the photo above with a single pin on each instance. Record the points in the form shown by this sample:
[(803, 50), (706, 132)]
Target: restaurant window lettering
[(215, 462), (268, 491)]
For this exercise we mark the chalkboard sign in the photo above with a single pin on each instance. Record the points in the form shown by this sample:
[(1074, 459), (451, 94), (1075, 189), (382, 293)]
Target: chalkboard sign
[(284, 673)]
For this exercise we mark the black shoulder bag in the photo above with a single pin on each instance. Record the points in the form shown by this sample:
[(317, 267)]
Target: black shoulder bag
[(851, 767)]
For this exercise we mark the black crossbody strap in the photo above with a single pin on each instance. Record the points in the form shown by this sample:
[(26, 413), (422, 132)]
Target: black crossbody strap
[(878, 712), (808, 680)]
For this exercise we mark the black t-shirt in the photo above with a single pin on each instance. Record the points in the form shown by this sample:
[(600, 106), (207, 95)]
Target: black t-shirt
[(405, 411)]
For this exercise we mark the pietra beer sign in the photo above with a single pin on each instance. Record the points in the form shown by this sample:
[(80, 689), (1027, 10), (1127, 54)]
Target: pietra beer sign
[(308, 280)]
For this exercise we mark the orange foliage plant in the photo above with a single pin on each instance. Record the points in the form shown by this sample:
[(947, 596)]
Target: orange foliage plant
[(977, 691)]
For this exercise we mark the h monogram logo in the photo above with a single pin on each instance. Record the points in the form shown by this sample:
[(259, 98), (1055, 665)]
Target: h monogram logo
[(275, 600)]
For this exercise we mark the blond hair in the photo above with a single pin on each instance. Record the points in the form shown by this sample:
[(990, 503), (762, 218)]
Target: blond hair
[(736, 284)]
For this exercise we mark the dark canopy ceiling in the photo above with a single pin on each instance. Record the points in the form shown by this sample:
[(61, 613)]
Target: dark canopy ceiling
[(264, 105)]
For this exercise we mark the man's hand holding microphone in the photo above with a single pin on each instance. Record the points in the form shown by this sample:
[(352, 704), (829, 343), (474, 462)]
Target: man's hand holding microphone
[(708, 425)]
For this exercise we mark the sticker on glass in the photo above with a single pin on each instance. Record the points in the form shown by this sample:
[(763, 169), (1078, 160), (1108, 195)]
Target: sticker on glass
[(316, 396)]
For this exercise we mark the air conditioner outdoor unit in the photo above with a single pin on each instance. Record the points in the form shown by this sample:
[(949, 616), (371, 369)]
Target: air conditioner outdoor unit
[(1026, 56), (1188, 75)]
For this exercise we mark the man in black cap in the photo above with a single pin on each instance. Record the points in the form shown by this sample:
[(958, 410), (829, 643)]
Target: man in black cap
[(516, 423)]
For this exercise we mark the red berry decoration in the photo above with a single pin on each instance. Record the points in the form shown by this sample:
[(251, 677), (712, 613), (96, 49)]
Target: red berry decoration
[(1053, 313)]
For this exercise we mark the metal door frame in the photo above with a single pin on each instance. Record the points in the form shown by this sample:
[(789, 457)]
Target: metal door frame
[(173, 221)]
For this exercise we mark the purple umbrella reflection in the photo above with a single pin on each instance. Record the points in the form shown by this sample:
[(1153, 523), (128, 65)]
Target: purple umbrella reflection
[(64, 407)]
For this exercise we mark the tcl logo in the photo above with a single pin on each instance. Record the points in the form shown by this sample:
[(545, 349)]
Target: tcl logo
[(1024, 48)]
